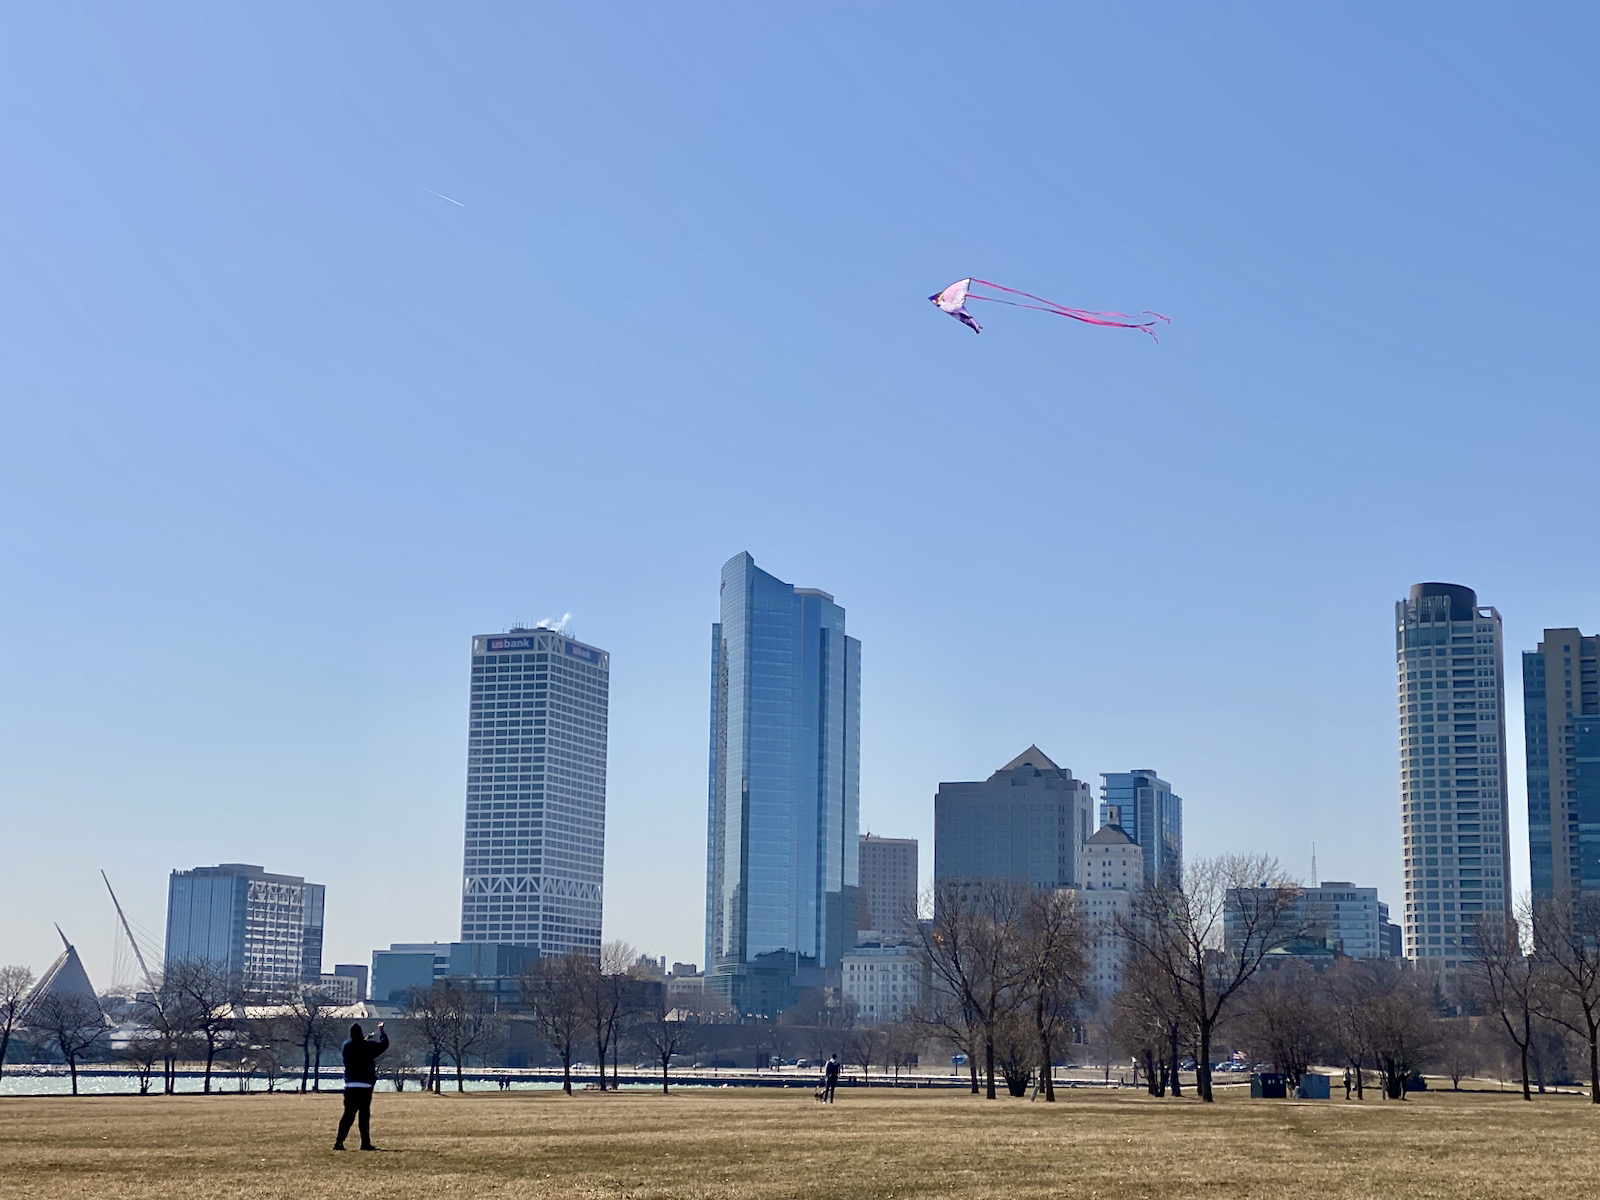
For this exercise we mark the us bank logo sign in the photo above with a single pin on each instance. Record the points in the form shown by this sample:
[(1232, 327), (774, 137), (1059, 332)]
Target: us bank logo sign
[(508, 643), (583, 652)]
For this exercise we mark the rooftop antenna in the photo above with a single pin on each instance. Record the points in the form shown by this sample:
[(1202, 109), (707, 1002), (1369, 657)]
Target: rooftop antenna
[(1314, 882), (132, 941)]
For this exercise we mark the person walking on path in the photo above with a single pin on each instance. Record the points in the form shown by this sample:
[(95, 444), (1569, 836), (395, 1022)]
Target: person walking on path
[(830, 1078), (1347, 1083), (360, 1077)]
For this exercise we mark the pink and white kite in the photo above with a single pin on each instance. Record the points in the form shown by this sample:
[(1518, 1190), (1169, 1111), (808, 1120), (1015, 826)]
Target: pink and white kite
[(953, 300)]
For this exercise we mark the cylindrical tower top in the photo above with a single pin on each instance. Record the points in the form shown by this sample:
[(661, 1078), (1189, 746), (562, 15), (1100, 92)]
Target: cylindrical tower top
[(1463, 600)]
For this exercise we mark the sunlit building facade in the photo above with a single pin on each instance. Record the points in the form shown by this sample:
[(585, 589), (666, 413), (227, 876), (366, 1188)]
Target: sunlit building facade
[(1450, 681), (784, 795), (534, 860)]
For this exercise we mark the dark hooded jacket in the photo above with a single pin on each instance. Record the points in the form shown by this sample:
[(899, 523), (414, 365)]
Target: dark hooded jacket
[(361, 1058)]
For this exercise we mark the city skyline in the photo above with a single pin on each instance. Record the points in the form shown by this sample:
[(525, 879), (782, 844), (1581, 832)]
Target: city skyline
[(263, 390), (1117, 789)]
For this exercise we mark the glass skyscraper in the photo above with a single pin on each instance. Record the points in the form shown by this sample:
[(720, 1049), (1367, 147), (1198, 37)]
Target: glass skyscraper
[(1142, 804), (536, 792), (1450, 681), (784, 795), (266, 928), (1561, 716)]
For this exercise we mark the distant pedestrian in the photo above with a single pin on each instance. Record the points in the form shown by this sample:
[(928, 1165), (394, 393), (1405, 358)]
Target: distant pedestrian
[(830, 1078), (1347, 1083), (360, 1077)]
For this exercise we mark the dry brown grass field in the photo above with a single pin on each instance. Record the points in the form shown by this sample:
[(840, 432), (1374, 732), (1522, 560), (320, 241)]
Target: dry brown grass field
[(774, 1143)]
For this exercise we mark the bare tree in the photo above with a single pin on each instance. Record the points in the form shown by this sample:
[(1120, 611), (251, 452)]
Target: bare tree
[(971, 946), (1460, 1050), (1054, 945), (1402, 1025), (606, 991), (1210, 937), (864, 1046), (471, 1024), (162, 1020), (1146, 1021), (142, 1052), (15, 983), (1566, 939), (400, 1063), (553, 993), (427, 1011), (1280, 1019), (666, 1027), (72, 1023), (1507, 984), (900, 1045), (1016, 1051), (310, 1024), (205, 991)]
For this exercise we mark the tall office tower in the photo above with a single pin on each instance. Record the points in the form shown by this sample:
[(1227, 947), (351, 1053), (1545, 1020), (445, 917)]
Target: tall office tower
[(266, 928), (1450, 677), (1028, 822), (888, 884), (1561, 715), (1142, 803), (781, 875), (536, 792)]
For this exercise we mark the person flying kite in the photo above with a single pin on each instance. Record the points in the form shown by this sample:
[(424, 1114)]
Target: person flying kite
[(953, 300)]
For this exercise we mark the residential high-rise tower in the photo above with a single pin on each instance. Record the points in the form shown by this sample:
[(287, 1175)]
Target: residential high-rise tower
[(781, 876), (1450, 678), (1561, 716), (534, 861)]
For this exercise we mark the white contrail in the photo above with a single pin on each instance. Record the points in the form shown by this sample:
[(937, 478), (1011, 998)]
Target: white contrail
[(442, 196)]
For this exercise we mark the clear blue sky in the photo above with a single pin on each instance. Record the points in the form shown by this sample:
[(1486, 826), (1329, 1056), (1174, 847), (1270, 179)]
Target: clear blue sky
[(282, 429)]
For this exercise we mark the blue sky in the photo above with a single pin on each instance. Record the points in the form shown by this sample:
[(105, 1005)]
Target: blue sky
[(282, 430)]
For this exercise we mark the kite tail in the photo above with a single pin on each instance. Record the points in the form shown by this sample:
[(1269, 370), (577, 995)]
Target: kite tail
[(1086, 315)]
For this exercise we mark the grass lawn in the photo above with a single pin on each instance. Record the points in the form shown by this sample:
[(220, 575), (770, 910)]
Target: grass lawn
[(757, 1142)]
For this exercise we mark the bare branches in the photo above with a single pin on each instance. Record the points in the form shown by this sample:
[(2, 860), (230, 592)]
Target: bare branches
[(15, 982), (553, 991), (1210, 938), (71, 1022), (1566, 939), (1509, 985)]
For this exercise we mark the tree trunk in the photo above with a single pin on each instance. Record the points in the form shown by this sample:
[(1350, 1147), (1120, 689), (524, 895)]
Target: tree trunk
[(566, 1072), (72, 1065), (1202, 1065), (1527, 1091), (972, 1068), (665, 1059), (1172, 1059), (460, 1084), (1359, 1073), (211, 1054), (305, 1065), (1047, 1067), (600, 1060), (1594, 1061), (988, 1065)]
